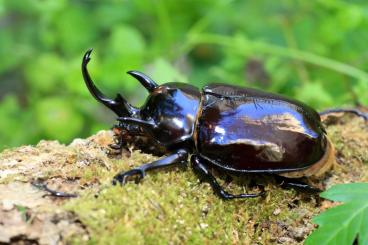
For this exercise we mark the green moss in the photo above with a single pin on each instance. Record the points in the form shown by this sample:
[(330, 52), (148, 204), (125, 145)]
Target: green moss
[(173, 206)]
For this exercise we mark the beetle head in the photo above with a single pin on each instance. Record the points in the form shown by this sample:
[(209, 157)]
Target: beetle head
[(167, 117)]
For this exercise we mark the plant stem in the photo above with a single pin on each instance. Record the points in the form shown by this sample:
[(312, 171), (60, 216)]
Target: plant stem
[(246, 46)]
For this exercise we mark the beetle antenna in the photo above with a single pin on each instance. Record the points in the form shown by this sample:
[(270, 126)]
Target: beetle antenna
[(145, 125), (146, 81), (119, 105), (136, 121)]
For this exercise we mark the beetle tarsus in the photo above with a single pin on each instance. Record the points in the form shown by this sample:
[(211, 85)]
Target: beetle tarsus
[(180, 156), (121, 178), (227, 196), (44, 187), (353, 111), (201, 168)]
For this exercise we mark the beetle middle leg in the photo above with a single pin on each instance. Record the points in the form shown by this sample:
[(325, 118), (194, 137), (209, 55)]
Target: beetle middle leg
[(200, 166), (180, 156)]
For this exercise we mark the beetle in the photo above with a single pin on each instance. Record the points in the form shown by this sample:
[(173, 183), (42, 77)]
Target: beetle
[(236, 130)]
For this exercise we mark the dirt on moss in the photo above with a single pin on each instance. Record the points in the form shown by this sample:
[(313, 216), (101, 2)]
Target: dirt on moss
[(168, 207)]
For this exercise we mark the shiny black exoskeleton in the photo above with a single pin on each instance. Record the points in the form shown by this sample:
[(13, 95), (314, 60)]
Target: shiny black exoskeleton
[(237, 130)]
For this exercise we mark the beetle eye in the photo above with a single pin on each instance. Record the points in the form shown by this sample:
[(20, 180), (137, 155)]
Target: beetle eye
[(116, 130)]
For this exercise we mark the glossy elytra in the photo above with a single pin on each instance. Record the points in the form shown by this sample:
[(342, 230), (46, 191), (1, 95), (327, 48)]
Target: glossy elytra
[(234, 129)]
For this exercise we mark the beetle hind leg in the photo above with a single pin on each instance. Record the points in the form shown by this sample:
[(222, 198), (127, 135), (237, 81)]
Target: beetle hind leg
[(352, 111), (178, 157), (297, 184), (201, 168)]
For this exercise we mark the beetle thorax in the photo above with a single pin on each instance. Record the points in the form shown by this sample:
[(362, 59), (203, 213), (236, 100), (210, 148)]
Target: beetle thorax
[(172, 108)]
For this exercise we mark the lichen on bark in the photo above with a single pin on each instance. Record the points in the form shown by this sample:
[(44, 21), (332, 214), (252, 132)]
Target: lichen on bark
[(168, 206)]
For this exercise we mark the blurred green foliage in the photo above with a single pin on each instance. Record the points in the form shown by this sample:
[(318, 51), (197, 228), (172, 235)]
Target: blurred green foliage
[(315, 51)]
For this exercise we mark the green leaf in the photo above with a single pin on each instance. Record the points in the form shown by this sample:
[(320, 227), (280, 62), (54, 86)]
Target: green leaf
[(346, 222), (125, 51), (6, 50), (347, 192), (42, 81), (74, 22), (350, 17), (58, 119), (165, 72), (314, 94), (2, 8), (360, 90), (126, 41)]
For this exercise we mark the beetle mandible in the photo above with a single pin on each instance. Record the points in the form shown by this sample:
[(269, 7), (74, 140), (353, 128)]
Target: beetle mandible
[(237, 130)]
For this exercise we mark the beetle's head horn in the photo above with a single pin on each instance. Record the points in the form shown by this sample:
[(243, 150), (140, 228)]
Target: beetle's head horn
[(146, 81), (118, 105)]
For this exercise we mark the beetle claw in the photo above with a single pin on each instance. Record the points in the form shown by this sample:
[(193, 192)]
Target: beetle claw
[(228, 196), (122, 177), (117, 146)]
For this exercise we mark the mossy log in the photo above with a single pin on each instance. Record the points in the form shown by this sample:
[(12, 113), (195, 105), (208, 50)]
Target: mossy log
[(168, 207)]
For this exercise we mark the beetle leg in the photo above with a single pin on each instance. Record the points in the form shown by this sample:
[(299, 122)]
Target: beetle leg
[(118, 145), (118, 138), (201, 168), (353, 111), (297, 184), (180, 156), (44, 187)]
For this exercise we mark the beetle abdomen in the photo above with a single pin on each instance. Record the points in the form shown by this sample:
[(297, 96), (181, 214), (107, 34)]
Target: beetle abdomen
[(261, 133)]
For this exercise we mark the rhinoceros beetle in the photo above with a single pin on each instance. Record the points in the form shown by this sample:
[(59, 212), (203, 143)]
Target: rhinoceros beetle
[(236, 130)]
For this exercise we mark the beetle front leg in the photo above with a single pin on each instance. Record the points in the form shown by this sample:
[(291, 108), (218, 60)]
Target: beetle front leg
[(44, 187), (180, 156), (201, 168), (118, 138)]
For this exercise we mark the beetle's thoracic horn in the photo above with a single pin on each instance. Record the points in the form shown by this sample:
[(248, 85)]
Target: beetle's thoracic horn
[(119, 105), (146, 81)]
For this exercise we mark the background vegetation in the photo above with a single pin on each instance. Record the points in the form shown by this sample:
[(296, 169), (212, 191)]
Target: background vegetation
[(315, 51)]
